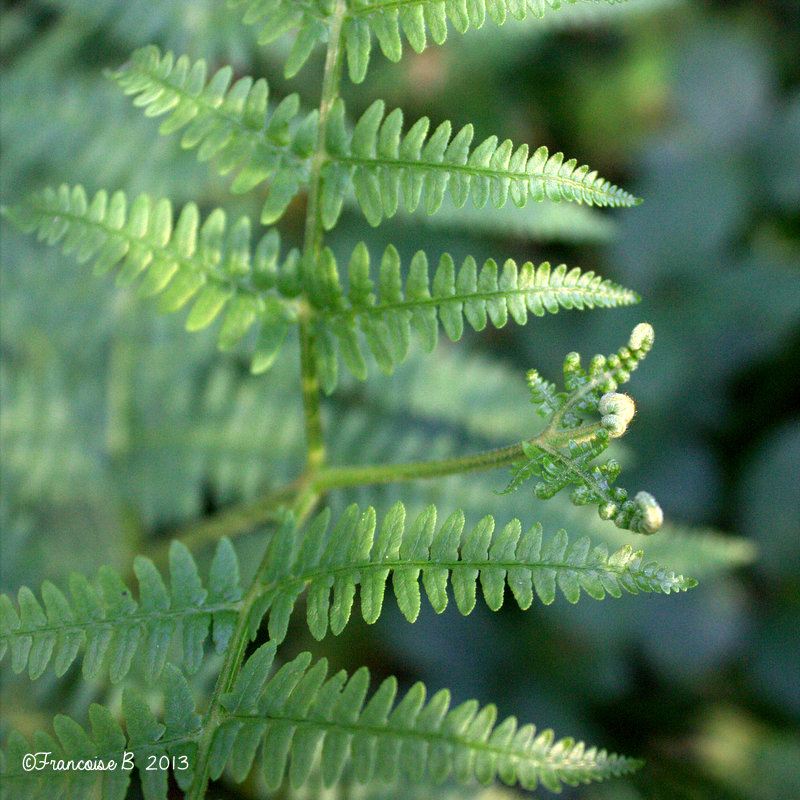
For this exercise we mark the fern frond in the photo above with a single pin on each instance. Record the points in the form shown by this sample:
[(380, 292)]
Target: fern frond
[(290, 715), (181, 260), (354, 553), (228, 123), (60, 774), (418, 18), (112, 629), (489, 294), (564, 453), (380, 162)]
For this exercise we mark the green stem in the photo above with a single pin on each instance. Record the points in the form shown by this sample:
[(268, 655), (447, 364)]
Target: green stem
[(315, 442), (234, 655), (339, 477), (312, 244)]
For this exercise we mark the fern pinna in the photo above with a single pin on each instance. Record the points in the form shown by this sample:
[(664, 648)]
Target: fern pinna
[(298, 721)]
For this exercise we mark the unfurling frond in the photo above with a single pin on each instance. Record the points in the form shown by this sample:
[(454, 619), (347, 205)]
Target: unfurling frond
[(112, 628), (478, 295), (564, 453), (178, 260), (228, 123), (278, 723), (380, 161), (418, 18), (355, 553)]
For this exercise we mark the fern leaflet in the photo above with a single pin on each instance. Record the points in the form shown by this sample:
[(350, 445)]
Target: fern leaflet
[(276, 17), (415, 18), (383, 18), (112, 628), (475, 295), (179, 260), (353, 554), (106, 622), (293, 713), (228, 123), (379, 162)]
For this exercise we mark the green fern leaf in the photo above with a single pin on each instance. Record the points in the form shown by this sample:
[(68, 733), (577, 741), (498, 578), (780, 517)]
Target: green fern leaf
[(288, 716), (479, 296), (52, 775), (330, 566), (275, 18), (386, 19), (229, 123), (380, 162), (106, 622), (299, 710), (418, 18), (180, 262)]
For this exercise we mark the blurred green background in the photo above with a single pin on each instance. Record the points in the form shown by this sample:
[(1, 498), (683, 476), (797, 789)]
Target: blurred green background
[(118, 428)]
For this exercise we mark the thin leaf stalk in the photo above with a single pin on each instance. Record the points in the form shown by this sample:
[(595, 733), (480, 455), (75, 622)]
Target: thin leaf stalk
[(549, 440), (312, 242), (339, 477)]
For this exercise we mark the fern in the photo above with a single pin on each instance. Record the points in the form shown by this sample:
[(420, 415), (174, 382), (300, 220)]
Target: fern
[(228, 123), (182, 259), (379, 162), (386, 320), (112, 629), (561, 461), (298, 720), (179, 261), (294, 712), (383, 18), (232, 125), (104, 620)]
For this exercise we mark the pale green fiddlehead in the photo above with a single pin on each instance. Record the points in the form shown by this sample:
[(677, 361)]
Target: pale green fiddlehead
[(563, 453)]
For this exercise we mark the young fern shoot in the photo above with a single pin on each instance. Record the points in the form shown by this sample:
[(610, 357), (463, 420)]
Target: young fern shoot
[(282, 721)]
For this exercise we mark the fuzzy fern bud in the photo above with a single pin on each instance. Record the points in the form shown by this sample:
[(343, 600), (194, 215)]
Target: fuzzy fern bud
[(565, 452), (649, 516), (617, 411), (641, 339)]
